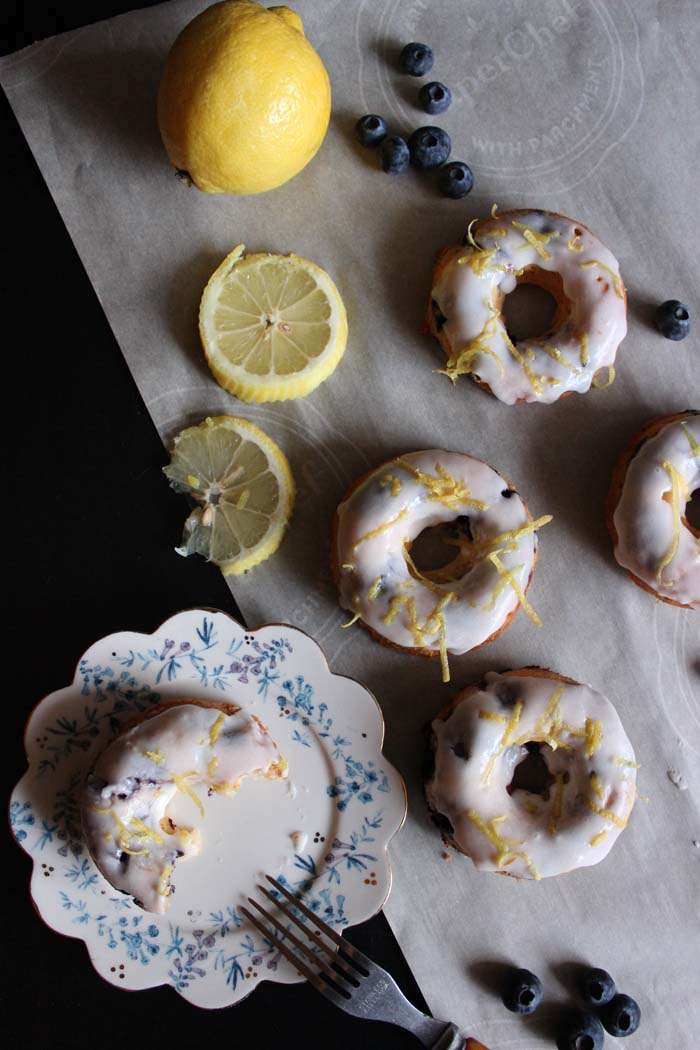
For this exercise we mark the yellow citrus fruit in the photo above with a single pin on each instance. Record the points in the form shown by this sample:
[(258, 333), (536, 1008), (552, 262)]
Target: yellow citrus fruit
[(243, 489), (272, 326), (245, 100)]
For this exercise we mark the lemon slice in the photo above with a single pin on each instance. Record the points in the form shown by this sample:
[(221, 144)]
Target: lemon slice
[(243, 487), (272, 326)]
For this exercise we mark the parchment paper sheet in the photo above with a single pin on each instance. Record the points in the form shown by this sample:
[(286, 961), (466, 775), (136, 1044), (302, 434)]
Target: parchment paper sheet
[(581, 106)]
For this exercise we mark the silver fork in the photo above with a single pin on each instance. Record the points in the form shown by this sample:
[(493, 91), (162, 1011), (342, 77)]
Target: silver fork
[(349, 980)]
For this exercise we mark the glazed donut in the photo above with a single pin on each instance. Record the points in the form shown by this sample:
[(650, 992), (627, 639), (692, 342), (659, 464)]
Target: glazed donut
[(651, 486), (529, 247), (130, 836), (454, 609), (588, 774)]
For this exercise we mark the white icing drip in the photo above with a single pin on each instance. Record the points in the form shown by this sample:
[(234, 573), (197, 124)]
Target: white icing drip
[(461, 785), (644, 516), (469, 619), (466, 298), (143, 765)]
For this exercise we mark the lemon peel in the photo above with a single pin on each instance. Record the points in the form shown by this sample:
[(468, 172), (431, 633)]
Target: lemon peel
[(615, 277), (678, 487), (273, 327), (232, 455), (244, 101)]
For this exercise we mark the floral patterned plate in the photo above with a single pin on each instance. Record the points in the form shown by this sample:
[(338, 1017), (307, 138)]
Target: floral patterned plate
[(342, 802)]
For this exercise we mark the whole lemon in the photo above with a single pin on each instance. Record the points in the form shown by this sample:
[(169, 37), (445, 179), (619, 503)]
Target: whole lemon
[(245, 100)]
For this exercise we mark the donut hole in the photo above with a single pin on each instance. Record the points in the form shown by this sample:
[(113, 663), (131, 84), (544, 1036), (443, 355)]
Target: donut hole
[(435, 547), (692, 512), (532, 772), (538, 305)]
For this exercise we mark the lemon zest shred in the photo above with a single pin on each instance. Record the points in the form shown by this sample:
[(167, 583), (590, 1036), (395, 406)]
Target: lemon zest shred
[(494, 211), (163, 881), (594, 736), (534, 380), (507, 575), (572, 244), (598, 838), (442, 486), (392, 481), (182, 785), (418, 575), (444, 662), (694, 446), (503, 742), (555, 353), (460, 363), (380, 529), (506, 848), (536, 240), (470, 238), (599, 384), (211, 765), (155, 756), (351, 621), (628, 763), (374, 589), (615, 277), (584, 355), (481, 259), (554, 819), (678, 487), (124, 837), (548, 725), (607, 814), (142, 831), (471, 552), (215, 728), (348, 565), (492, 716), (597, 786)]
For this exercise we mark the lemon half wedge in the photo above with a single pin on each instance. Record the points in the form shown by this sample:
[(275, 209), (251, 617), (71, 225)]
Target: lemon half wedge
[(243, 489), (272, 326)]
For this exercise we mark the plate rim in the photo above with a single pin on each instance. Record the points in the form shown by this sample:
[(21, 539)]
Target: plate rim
[(402, 799)]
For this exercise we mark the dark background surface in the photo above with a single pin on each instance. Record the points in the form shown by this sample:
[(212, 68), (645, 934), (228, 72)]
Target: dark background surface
[(90, 526)]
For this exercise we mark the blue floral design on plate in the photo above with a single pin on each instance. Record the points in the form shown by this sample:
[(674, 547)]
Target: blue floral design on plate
[(211, 956)]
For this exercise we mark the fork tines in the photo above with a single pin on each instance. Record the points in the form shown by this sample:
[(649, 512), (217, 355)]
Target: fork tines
[(341, 975)]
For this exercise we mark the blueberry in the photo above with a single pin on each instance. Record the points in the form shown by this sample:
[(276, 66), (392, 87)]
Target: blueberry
[(395, 155), (416, 59), (523, 992), (673, 319), (430, 147), (621, 1015), (597, 987), (456, 179), (580, 1031), (434, 97), (371, 129)]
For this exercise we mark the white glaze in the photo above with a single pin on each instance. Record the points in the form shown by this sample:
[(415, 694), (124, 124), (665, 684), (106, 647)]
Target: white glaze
[(469, 618), (470, 299), (128, 792), (644, 517), (540, 843)]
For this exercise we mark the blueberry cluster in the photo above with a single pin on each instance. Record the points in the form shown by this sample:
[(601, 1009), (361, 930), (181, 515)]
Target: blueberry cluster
[(428, 147), (618, 1014)]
